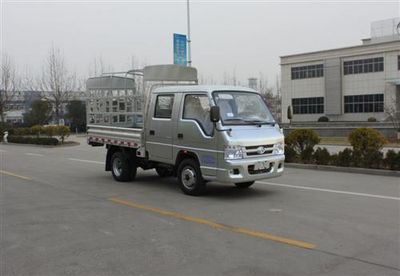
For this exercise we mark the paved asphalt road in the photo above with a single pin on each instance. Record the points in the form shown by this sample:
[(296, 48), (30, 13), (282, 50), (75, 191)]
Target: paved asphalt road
[(62, 214)]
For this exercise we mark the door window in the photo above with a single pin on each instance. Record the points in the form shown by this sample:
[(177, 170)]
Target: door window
[(164, 106), (197, 107)]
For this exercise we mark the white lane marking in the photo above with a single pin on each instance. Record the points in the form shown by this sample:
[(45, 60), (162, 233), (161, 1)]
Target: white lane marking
[(329, 190), (33, 154), (2, 150), (86, 161)]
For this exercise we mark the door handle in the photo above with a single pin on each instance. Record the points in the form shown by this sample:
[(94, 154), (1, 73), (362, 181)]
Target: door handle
[(152, 132), (180, 135)]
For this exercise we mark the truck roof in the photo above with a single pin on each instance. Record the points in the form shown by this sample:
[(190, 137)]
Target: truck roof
[(201, 88)]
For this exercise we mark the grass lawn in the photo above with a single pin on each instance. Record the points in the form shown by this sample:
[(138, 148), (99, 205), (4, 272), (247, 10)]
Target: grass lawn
[(335, 141)]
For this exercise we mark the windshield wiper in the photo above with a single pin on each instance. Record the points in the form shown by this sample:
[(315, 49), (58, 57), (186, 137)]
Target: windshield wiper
[(260, 122), (234, 119)]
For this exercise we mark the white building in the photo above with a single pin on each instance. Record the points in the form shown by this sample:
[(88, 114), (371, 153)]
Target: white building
[(345, 84)]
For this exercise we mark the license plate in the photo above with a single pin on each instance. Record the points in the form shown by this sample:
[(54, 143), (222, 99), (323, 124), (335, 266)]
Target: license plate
[(261, 166)]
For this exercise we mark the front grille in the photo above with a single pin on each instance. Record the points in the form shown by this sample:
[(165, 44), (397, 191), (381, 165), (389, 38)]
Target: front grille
[(255, 150), (251, 170)]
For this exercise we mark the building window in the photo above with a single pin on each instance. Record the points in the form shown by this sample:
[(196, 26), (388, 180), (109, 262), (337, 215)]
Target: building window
[(398, 62), (363, 103), (308, 105), (307, 72), (360, 66)]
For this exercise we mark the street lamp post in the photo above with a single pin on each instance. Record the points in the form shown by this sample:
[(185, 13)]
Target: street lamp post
[(189, 62)]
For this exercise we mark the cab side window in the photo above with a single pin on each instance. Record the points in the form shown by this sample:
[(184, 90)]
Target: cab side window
[(197, 107), (164, 104)]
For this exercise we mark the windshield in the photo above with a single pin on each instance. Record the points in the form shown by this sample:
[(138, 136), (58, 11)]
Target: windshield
[(242, 108)]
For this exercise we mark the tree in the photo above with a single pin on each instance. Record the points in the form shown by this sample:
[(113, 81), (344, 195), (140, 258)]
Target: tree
[(40, 113), (393, 113), (77, 115), (57, 81), (8, 84)]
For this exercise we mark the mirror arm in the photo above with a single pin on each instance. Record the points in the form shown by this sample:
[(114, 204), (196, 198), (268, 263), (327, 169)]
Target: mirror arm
[(220, 130)]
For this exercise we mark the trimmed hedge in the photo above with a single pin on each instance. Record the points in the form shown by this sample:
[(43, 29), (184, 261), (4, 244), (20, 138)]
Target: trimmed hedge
[(367, 144), (301, 142), (366, 153), (392, 160), (322, 156), (50, 131), (33, 140)]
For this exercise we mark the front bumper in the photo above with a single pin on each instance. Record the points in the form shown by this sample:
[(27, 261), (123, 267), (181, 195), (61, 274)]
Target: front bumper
[(243, 170)]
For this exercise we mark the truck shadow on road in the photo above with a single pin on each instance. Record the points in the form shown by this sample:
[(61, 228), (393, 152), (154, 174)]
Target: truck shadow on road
[(150, 182)]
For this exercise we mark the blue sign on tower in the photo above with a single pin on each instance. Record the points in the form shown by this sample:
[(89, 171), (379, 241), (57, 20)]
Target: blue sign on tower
[(180, 55)]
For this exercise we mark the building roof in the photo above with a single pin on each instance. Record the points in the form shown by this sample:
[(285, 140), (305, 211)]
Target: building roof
[(363, 49)]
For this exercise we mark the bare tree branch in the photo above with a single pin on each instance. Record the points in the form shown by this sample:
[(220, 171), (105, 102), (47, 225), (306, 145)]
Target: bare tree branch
[(8, 85), (57, 82), (393, 113)]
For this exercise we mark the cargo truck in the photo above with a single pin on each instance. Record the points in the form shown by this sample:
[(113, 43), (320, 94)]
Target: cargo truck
[(160, 118)]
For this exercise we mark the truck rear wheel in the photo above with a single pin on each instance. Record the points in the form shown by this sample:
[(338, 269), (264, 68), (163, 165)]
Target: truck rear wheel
[(190, 179), (244, 185), (122, 168)]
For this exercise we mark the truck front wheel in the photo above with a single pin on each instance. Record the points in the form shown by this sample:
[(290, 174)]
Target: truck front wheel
[(122, 168), (190, 179)]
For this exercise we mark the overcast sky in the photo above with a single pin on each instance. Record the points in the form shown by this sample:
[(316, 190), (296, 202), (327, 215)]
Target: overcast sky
[(246, 37)]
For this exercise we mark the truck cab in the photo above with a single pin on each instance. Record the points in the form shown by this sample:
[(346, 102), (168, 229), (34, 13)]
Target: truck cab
[(244, 144)]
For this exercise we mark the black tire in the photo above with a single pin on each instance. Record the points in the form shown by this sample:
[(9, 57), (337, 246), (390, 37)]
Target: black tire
[(244, 185), (133, 171), (164, 172), (121, 167), (190, 179)]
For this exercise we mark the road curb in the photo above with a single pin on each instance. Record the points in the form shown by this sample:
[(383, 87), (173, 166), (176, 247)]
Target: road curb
[(43, 146), (343, 169)]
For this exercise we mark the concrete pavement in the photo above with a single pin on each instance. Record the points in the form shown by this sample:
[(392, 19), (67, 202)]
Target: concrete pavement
[(59, 216)]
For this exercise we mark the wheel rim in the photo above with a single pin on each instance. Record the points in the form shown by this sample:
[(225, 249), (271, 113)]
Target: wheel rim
[(189, 178), (117, 167)]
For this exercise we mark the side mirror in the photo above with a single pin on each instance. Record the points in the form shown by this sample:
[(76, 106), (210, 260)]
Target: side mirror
[(214, 114), (289, 113)]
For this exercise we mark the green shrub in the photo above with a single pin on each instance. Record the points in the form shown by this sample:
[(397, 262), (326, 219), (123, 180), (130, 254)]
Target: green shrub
[(50, 131), (290, 155), (392, 160), (322, 156), (37, 130), (343, 159), (21, 131), (307, 155), (302, 141), (32, 140), (367, 143), (62, 132), (323, 119), (372, 119), (334, 160)]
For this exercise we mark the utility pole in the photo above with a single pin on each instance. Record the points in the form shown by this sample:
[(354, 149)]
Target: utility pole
[(189, 62)]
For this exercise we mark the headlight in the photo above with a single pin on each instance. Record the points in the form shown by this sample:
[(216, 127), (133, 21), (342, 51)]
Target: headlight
[(233, 152), (279, 148)]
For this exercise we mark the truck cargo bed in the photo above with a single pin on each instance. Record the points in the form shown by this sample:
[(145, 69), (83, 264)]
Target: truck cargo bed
[(121, 136)]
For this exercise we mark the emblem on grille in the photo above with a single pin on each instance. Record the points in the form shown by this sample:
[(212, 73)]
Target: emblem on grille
[(261, 150)]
